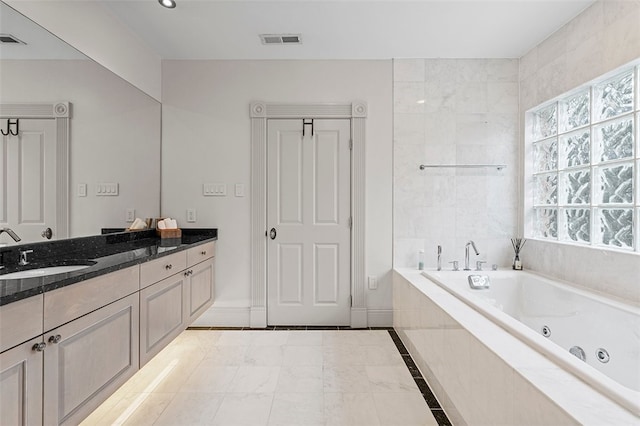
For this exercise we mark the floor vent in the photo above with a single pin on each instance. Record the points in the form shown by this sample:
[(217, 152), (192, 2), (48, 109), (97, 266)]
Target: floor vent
[(9, 39), (281, 38)]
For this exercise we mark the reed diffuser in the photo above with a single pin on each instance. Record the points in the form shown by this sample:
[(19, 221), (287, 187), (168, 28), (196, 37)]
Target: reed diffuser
[(517, 244)]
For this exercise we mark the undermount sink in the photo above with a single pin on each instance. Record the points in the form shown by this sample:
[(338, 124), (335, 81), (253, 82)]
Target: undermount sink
[(46, 271)]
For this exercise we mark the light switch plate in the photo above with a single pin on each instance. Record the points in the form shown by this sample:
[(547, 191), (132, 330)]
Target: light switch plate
[(191, 215), (214, 189), (107, 189), (239, 190), (82, 190)]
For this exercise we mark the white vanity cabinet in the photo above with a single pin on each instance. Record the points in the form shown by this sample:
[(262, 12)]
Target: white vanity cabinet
[(87, 359), (168, 306), (162, 314), (64, 352), (21, 384), (200, 289)]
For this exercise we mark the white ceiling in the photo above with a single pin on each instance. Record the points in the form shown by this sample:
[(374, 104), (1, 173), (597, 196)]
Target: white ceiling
[(346, 29)]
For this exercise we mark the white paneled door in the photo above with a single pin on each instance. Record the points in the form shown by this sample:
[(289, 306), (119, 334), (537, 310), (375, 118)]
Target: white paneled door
[(28, 180), (308, 219)]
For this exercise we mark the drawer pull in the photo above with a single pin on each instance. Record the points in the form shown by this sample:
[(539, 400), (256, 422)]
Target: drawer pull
[(39, 347), (169, 266), (55, 339)]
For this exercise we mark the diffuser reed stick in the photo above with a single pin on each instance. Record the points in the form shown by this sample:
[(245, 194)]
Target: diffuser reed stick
[(517, 244)]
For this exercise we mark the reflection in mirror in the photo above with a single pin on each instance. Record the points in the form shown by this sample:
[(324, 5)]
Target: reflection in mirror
[(52, 95)]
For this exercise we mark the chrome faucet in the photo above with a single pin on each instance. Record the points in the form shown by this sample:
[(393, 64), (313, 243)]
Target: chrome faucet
[(439, 258), (23, 257), (466, 254), (11, 234)]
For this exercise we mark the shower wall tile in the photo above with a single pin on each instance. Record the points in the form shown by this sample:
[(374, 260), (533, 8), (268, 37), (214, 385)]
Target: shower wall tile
[(407, 97), (469, 116), (408, 70)]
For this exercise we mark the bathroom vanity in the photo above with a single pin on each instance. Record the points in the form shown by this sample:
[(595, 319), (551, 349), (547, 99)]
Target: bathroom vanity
[(69, 340)]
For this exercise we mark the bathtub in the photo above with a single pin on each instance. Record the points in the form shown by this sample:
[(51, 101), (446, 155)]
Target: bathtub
[(484, 354), (556, 318)]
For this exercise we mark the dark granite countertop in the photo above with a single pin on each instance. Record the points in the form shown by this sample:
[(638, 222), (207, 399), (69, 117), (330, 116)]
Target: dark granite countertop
[(106, 253)]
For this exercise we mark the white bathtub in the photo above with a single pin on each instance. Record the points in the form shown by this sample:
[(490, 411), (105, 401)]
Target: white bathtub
[(524, 303)]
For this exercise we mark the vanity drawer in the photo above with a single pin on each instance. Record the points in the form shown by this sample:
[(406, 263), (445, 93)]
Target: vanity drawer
[(159, 269), (20, 321), (68, 303), (200, 253)]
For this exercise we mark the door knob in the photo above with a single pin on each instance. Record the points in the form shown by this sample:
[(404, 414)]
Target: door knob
[(273, 233), (47, 233)]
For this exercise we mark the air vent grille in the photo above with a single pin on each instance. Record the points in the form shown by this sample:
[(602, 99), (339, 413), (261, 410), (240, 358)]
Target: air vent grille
[(9, 39), (281, 38)]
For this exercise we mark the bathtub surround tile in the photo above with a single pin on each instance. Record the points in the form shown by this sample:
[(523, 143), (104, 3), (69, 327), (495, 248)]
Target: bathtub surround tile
[(408, 70), (503, 380), (470, 116)]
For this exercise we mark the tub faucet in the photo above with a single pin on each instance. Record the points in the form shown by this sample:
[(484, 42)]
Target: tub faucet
[(439, 258), (11, 234), (466, 254)]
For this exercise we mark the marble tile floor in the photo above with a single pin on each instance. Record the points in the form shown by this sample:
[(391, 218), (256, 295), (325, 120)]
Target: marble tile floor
[(288, 377)]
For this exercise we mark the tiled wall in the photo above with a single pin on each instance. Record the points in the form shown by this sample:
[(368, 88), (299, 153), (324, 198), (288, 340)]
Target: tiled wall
[(455, 111), (602, 38)]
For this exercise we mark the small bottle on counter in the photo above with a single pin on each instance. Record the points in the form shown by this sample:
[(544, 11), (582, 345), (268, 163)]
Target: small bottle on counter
[(420, 260)]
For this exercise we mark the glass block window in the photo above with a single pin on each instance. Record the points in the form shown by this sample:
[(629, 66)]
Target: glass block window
[(584, 164)]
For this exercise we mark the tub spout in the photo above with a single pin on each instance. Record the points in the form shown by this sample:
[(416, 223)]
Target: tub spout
[(466, 254)]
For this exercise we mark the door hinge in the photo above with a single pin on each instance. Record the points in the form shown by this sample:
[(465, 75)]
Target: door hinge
[(350, 222), (351, 144), (351, 301)]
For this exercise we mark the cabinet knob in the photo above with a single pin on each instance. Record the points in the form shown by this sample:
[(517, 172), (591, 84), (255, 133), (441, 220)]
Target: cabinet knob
[(55, 339), (203, 252), (186, 273), (169, 266), (39, 347)]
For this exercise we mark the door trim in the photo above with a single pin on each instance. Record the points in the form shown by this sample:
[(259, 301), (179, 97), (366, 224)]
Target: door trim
[(61, 113), (260, 113)]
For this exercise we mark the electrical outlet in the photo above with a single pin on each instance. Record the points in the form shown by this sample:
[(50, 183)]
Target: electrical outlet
[(239, 190), (130, 215), (191, 215)]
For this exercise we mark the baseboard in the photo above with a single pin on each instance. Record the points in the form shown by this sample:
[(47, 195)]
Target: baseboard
[(224, 317), (380, 317)]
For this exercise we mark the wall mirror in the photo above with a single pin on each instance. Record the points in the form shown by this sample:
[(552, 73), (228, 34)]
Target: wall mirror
[(110, 170)]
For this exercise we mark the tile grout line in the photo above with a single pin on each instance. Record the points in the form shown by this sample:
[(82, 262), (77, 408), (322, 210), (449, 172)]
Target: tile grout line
[(431, 400)]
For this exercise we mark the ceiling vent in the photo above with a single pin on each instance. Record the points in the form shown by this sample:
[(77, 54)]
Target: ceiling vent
[(9, 39), (281, 38)]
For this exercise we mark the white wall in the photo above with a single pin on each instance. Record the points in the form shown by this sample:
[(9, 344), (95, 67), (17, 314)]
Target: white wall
[(206, 139), (114, 133), (92, 29), (455, 111), (602, 38)]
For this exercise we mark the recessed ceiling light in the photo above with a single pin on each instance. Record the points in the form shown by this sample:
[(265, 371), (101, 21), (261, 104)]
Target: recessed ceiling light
[(170, 4)]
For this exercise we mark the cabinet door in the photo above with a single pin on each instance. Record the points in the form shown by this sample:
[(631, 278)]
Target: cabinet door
[(162, 314), (87, 359), (21, 385), (200, 289)]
